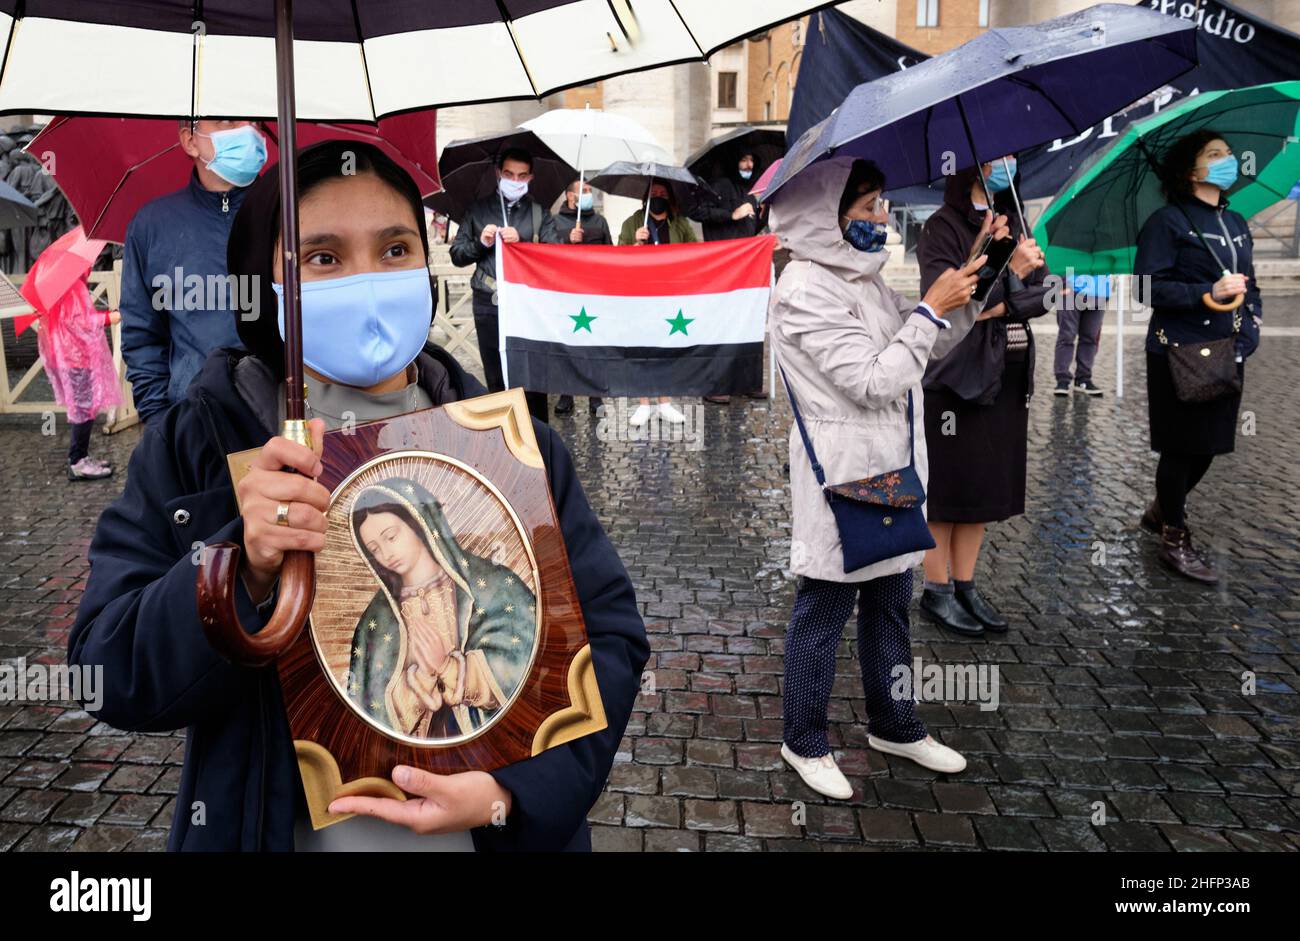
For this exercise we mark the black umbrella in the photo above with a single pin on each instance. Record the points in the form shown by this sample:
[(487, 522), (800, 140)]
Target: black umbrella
[(718, 158), (1001, 93), (467, 167), (634, 180)]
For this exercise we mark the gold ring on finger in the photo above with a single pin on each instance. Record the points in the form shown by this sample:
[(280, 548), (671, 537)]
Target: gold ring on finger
[(282, 514)]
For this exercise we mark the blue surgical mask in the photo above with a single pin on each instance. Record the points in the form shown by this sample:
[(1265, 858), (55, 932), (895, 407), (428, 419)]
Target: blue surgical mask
[(240, 154), (1000, 178), (361, 329), (1223, 172), (866, 236), (746, 174), (586, 201)]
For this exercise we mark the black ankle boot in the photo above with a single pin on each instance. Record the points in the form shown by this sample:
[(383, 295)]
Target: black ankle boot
[(980, 609), (946, 611)]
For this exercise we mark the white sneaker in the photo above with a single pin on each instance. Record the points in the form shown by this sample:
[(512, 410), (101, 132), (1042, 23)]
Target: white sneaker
[(640, 416), (822, 774), (927, 753), (669, 413)]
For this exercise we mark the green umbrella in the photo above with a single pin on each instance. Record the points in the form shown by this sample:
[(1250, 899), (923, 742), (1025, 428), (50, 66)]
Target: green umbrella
[(1093, 225)]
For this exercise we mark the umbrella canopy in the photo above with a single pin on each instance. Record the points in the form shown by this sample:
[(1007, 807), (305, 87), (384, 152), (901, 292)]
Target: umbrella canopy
[(589, 139), (1002, 92), (109, 167), (718, 158), (16, 210), (634, 179), (354, 61), (467, 168), (765, 180), (65, 262), (1093, 225)]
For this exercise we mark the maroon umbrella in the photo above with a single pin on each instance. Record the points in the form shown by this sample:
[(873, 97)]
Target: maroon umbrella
[(109, 167)]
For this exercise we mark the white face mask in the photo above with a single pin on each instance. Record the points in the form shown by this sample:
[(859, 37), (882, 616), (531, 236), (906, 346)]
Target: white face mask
[(512, 190)]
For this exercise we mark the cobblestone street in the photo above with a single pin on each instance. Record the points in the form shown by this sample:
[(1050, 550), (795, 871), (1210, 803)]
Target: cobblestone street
[(1121, 687)]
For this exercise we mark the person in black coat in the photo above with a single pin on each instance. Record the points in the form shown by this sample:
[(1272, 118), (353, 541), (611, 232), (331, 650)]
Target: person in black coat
[(594, 230), (1193, 246), (138, 617), (977, 397), (732, 213)]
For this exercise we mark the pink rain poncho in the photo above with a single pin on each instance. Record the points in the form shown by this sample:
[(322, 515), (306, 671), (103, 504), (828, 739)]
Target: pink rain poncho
[(77, 358)]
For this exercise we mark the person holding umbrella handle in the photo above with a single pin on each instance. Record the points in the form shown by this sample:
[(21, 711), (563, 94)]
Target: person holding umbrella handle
[(1196, 268)]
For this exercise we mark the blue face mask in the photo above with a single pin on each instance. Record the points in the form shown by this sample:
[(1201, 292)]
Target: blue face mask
[(866, 236), (240, 154), (1223, 172), (361, 329), (1000, 178), (586, 201), (746, 174)]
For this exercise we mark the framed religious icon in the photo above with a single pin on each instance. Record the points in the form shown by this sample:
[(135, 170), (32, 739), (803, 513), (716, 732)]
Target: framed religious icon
[(446, 631)]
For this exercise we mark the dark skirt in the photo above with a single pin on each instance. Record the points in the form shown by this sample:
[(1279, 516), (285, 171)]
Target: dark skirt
[(977, 473), (1188, 428)]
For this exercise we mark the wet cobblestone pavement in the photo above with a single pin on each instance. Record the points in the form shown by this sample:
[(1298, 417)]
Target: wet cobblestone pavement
[(1123, 691)]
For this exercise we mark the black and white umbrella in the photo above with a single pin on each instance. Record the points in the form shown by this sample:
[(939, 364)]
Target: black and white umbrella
[(352, 61), (356, 60)]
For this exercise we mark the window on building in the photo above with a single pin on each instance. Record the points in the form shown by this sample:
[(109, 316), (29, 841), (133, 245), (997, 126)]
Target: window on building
[(727, 89), (927, 13), (984, 12)]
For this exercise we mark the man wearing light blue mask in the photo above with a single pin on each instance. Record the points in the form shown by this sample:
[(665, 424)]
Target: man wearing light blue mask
[(578, 223), (177, 301)]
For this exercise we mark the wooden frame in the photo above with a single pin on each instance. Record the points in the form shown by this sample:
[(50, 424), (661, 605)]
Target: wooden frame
[(480, 462)]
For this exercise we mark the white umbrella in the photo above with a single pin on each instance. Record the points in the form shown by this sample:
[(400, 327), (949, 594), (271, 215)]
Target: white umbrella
[(590, 137)]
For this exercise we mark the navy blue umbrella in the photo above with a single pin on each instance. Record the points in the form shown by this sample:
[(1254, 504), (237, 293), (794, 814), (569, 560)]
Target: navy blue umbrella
[(1002, 92)]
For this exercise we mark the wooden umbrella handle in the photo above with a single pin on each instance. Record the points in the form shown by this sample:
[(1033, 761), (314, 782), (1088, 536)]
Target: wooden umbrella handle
[(1208, 300), (218, 578)]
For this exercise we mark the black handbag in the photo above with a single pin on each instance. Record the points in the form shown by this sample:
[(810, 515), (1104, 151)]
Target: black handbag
[(1204, 372), (878, 517), (1207, 371)]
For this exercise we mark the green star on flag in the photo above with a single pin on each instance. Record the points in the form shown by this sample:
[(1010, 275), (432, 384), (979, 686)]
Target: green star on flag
[(581, 321), (679, 323)]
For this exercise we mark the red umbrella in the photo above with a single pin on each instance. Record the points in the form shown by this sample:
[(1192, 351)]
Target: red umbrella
[(109, 167), (765, 179), (57, 269)]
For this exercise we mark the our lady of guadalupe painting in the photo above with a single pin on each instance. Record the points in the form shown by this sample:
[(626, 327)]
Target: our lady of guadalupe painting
[(437, 606)]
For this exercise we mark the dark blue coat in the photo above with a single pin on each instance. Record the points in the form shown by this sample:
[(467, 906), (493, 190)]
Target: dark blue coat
[(165, 344), (1181, 271), (138, 619)]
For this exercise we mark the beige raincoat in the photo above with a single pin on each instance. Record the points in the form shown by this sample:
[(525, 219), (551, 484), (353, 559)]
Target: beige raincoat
[(851, 348)]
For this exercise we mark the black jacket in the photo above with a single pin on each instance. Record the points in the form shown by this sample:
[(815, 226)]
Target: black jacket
[(973, 370), (138, 620), (1181, 271), (595, 230), (715, 214), (467, 247)]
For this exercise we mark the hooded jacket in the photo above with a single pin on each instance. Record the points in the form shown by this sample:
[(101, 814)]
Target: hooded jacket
[(165, 344), (851, 349), (1181, 271), (138, 620), (595, 230), (974, 369), (714, 213)]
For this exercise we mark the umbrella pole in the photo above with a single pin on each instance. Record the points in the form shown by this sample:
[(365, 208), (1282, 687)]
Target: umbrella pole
[(645, 220), (1121, 284), (970, 140), (218, 577), (286, 119), (1015, 198)]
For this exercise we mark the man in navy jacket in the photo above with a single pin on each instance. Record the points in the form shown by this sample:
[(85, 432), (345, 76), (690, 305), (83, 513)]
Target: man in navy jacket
[(176, 300), (240, 788)]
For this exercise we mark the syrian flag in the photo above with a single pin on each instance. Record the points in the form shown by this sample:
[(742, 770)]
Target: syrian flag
[(634, 320)]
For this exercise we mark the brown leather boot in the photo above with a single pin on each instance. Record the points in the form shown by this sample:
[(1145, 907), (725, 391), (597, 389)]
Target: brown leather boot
[(1151, 520), (1177, 552)]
